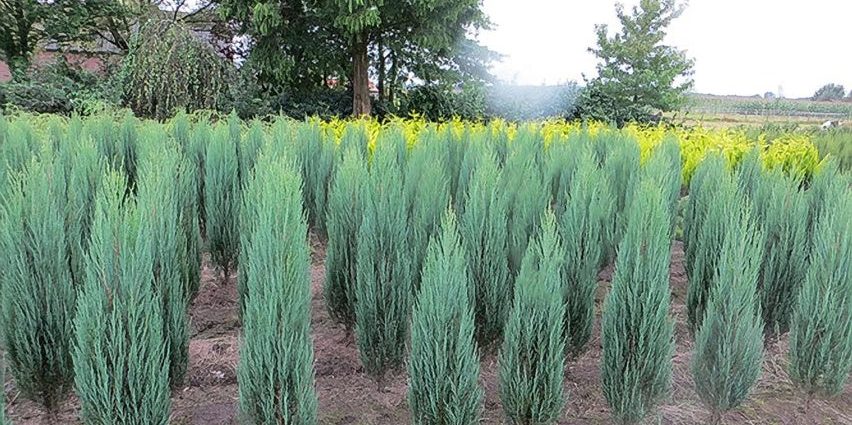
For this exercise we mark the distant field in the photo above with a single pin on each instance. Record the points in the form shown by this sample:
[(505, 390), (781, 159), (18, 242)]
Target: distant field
[(728, 111)]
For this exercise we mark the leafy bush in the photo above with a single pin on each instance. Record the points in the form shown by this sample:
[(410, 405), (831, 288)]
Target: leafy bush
[(58, 88), (384, 282), (636, 329), (830, 92), (729, 344), (121, 359), (38, 288), (524, 103), (346, 205), (821, 327), (587, 211), (222, 200), (275, 372), (443, 368), (437, 102), (485, 238), (168, 68), (532, 357)]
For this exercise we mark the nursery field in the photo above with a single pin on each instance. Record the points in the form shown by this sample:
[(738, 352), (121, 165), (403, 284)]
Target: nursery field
[(214, 271)]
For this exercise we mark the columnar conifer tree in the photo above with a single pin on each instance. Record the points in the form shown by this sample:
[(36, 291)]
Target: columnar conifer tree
[(526, 195), (249, 148), (222, 200), (712, 190), (160, 199), (783, 210), (346, 200), (121, 359), (637, 332), (383, 286), (587, 211), (821, 328), (84, 170), (621, 162), (317, 159), (3, 380), (532, 357), (476, 146), (444, 366), (427, 196), (196, 152), (729, 344), (484, 234), (38, 297), (665, 167), (275, 371)]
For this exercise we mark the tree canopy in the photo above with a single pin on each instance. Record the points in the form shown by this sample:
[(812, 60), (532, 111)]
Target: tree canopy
[(308, 43), (830, 92), (637, 73)]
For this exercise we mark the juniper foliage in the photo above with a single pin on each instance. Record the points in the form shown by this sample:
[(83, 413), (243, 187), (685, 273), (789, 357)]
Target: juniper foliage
[(383, 285), (583, 224), (636, 329), (161, 200), (222, 199), (729, 343), (443, 368), (821, 328), (533, 351), (317, 159), (346, 202), (711, 192), (275, 371), (38, 296), (783, 210), (485, 238), (121, 358)]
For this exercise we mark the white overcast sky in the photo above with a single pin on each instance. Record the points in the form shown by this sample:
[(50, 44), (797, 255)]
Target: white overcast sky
[(742, 47)]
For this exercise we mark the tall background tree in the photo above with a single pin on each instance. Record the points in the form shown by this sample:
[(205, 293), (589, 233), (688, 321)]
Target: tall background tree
[(305, 44), (637, 73), (830, 92)]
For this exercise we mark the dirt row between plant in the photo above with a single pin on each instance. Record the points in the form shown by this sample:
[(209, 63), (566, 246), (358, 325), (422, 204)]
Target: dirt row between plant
[(348, 396)]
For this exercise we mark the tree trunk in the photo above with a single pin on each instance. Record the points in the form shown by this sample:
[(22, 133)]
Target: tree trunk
[(381, 49), (360, 77)]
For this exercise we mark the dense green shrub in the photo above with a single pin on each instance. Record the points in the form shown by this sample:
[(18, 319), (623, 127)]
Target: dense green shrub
[(821, 328), (121, 359), (782, 209), (38, 297), (384, 281), (532, 357), (485, 238), (582, 225), (161, 201), (637, 331), (427, 195), (729, 343), (345, 212), (275, 372), (443, 368), (222, 200), (58, 88), (712, 190)]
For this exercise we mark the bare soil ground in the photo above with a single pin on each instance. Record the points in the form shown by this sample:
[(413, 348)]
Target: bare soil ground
[(348, 396)]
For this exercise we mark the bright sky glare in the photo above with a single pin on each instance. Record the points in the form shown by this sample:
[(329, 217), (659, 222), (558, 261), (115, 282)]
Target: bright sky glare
[(742, 47)]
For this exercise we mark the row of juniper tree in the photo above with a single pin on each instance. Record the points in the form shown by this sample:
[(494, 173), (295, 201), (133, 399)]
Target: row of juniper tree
[(439, 250)]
